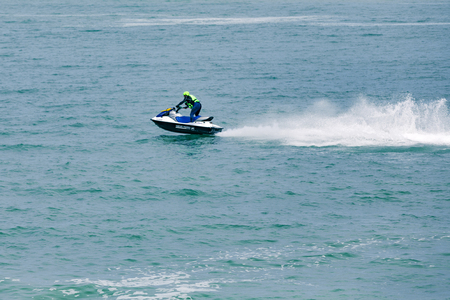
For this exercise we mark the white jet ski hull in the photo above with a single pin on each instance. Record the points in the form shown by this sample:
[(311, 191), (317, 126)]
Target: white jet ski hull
[(197, 127)]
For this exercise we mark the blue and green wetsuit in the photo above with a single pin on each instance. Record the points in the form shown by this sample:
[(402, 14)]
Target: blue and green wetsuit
[(192, 103)]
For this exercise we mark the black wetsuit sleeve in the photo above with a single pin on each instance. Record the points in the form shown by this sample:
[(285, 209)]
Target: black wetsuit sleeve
[(179, 104)]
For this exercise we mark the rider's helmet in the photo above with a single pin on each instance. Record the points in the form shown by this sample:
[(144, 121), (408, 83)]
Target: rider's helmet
[(186, 93)]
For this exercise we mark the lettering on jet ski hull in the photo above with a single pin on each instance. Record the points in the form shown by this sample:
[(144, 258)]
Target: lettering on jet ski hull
[(184, 127)]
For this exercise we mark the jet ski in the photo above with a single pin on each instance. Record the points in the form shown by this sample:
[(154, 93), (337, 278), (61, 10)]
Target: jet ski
[(171, 120)]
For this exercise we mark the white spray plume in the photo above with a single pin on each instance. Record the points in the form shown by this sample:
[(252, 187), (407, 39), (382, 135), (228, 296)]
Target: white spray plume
[(403, 123)]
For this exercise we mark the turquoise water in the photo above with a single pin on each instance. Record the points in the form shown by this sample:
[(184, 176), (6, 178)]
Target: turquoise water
[(330, 180)]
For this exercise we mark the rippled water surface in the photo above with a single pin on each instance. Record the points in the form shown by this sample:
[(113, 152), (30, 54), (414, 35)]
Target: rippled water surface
[(330, 179)]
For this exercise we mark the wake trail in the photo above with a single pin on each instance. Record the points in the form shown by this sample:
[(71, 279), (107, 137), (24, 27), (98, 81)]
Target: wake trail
[(404, 123)]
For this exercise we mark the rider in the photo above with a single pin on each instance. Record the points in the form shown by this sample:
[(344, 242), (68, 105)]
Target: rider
[(192, 103)]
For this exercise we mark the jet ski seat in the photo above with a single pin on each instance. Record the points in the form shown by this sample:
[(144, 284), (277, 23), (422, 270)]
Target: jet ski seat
[(186, 119), (204, 119)]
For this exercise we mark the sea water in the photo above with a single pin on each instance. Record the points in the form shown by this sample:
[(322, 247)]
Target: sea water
[(330, 180)]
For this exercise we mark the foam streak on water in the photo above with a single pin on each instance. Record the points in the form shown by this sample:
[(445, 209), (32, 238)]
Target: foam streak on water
[(215, 21), (404, 123)]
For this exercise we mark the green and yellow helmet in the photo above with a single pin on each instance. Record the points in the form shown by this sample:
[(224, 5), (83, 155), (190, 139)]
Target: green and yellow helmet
[(186, 93)]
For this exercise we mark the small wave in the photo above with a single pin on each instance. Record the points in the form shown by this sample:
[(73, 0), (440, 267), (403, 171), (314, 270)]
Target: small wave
[(404, 123)]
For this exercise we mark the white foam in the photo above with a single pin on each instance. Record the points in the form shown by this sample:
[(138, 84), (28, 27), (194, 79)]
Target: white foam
[(323, 21), (70, 292), (404, 123), (355, 24), (168, 286), (213, 21), (147, 280)]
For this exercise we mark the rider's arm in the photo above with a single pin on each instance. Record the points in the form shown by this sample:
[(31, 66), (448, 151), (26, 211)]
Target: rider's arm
[(179, 104)]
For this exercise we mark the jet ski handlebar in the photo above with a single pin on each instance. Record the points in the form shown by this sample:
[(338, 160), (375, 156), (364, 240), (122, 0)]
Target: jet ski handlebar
[(177, 108)]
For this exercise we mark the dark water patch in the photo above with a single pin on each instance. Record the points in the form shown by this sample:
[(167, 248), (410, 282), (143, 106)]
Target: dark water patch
[(169, 230), (150, 187), (108, 118), (386, 196), (69, 191), (190, 140), (137, 65), (256, 259), (132, 237), (230, 227), (371, 35), (310, 204), (437, 191), (143, 141), (27, 91), (91, 30), (256, 242), (109, 220), (5, 265), (18, 247), (68, 118), (91, 190), (209, 217), (344, 255), (399, 149), (148, 198), (410, 215), (362, 197), (188, 192), (20, 147), (20, 230), (233, 263), (287, 226), (64, 191), (404, 192), (291, 193), (240, 171), (401, 262), (269, 77), (295, 263), (70, 66), (340, 188), (120, 126), (77, 125), (425, 20), (339, 217), (15, 209), (337, 256)]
